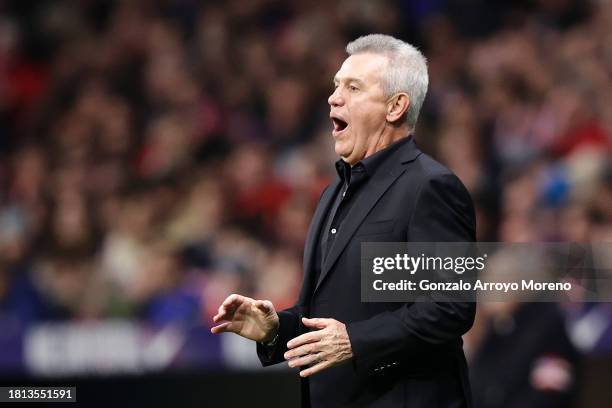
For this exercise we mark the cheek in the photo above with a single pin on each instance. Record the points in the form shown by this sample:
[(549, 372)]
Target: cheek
[(366, 121), (368, 114)]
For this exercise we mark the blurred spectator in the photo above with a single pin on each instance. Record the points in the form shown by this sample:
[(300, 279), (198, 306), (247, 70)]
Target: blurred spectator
[(525, 358)]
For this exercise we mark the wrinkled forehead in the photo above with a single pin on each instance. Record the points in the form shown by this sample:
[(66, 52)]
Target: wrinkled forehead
[(365, 67)]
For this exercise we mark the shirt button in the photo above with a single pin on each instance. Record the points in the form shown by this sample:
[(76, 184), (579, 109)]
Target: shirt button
[(343, 194), (333, 231)]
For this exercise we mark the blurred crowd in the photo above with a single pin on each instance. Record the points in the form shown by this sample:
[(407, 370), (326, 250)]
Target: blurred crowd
[(156, 156)]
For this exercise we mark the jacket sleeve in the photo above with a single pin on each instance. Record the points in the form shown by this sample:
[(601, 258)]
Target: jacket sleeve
[(289, 320), (443, 213)]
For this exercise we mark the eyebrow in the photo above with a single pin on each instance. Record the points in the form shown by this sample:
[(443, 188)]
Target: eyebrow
[(348, 79)]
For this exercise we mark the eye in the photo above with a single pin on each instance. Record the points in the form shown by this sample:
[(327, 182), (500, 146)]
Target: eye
[(353, 88)]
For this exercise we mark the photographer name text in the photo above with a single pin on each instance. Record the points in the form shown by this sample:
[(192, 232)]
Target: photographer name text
[(477, 285)]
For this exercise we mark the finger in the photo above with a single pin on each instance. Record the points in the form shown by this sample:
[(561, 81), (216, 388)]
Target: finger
[(224, 313), (305, 338), (228, 307), (221, 314), (310, 348), (315, 368), (218, 318), (264, 305), (233, 300), (221, 328), (316, 323), (305, 360), (224, 308)]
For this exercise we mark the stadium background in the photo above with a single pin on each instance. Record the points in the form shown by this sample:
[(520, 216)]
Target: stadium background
[(156, 156)]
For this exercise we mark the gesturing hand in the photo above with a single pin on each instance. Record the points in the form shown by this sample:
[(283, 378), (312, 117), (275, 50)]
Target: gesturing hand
[(254, 319), (326, 347)]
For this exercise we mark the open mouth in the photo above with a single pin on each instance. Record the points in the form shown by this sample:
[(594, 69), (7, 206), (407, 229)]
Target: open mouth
[(339, 125)]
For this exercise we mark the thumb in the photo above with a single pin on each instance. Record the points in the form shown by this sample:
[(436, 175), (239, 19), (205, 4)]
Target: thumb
[(223, 328), (315, 323)]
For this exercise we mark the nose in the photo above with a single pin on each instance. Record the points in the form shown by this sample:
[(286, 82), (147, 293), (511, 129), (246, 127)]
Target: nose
[(335, 99)]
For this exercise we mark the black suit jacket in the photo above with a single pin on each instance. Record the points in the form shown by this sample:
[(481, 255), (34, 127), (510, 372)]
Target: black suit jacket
[(405, 354)]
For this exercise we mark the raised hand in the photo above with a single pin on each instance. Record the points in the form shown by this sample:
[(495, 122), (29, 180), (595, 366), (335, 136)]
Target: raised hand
[(253, 319)]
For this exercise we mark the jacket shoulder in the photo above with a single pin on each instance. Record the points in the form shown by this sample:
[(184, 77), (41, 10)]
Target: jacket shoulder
[(425, 169)]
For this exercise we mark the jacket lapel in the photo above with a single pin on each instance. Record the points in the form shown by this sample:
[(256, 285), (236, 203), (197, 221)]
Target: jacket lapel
[(354, 218), (376, 187), (313, 234)]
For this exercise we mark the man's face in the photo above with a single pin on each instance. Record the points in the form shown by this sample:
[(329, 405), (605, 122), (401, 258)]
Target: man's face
[(358, 107)]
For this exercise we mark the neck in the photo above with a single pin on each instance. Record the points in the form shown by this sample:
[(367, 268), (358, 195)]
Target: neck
[(389, 134)]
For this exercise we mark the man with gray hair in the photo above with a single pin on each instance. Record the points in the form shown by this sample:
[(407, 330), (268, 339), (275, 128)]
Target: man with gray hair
[(353, 353)]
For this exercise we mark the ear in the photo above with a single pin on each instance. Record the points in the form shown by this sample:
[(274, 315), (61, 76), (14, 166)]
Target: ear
[(397, 107)]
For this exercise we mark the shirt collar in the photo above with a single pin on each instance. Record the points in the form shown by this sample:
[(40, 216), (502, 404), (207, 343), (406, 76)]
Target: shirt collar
[(370, 164)]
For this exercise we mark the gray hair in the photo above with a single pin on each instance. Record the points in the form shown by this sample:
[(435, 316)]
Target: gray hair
[(406, 72)]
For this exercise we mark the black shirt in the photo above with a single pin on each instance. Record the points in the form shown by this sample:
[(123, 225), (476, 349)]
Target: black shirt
[(353, 178)]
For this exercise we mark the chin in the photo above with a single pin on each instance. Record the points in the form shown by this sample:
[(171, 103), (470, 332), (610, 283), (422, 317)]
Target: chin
[(341, 150), (338, 150)]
